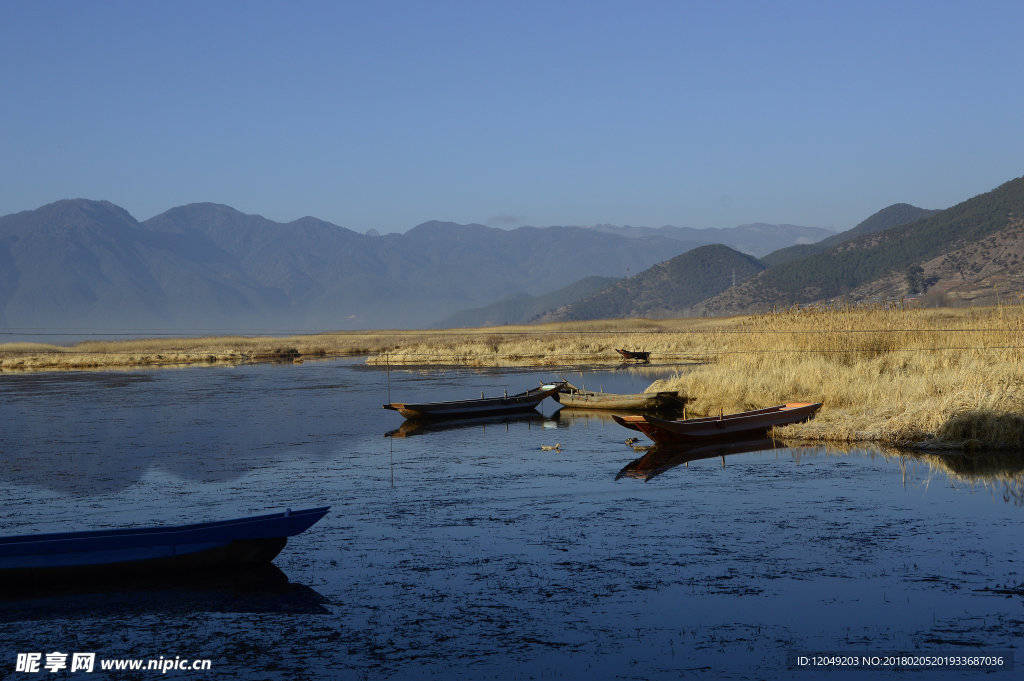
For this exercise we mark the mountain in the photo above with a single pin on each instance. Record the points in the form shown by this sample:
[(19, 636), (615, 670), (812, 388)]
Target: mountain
[(88, 264), (756, 239), (522, 307), (887, 218), (76, 263), (963, 252), (669, 289)]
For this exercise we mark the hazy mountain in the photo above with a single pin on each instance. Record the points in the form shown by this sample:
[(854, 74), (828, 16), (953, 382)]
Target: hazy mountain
[(89, 264), (523, 308), (756, 239), (669, 289), (887, 218), (963, 252)]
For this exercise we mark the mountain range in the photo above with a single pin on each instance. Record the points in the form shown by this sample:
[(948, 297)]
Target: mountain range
[(970, 253), (90, 265), (964, 254), (669, 289)]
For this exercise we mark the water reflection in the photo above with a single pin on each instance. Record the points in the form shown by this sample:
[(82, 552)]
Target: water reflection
[(85, 474), (412, 427), (662, 458), (1001, 471), (567, 417), (998, 470), (105, 432), (258, 589)]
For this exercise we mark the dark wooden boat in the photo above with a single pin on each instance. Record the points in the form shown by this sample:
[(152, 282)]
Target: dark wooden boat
[(577, 398), (637, 355), (485, 406), (727, 426), (142, 550)]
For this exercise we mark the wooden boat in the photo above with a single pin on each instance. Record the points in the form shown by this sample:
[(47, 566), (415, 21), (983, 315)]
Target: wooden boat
[(485, 406), (143, 550), (719, 427), (576, 398), (638, 355)]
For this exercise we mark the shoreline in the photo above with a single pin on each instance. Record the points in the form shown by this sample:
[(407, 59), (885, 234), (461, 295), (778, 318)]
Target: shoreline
[(924, 379)]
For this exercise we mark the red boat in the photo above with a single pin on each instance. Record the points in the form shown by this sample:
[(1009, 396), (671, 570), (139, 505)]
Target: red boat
[(722, 427)]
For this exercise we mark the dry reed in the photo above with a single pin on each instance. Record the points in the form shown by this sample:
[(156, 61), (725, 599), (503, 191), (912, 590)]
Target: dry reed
[(889, 374)]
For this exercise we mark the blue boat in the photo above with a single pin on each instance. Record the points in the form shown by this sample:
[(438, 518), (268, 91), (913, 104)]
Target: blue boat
[(133, 551)]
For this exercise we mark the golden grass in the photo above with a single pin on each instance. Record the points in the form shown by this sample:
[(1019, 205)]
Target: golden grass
[(155, 352), (895, 375), (557, 344)]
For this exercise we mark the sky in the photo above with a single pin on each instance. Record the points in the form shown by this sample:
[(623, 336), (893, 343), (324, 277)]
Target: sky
[(383, 115)]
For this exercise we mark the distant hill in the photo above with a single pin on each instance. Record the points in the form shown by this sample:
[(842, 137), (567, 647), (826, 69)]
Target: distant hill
[(669, 289), (83, 264), (522, 308), (962, 252), (887, 218), (756, 239), (88, 264)]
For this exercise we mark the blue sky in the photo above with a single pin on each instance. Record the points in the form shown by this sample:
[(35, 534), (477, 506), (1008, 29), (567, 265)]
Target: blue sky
[(386, 114)]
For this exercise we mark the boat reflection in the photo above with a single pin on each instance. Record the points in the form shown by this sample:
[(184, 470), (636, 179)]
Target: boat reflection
[(258, 589), (412, 427), (661, 458), (568, 417)]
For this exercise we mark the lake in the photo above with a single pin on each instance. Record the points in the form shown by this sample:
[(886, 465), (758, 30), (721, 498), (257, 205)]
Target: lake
[(473, 553)]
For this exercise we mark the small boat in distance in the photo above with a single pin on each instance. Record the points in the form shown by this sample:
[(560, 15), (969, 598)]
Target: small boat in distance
[(71, 556), (636, 355), (727, 426), (485, 406), (577, 398)]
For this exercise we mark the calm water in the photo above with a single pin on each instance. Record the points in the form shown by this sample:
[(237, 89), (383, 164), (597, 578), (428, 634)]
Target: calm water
[(471, 553)]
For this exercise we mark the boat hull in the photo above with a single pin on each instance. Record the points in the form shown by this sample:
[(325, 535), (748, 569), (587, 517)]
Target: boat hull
[(132, 551), (462, 409), (726, 427), (625, 402)]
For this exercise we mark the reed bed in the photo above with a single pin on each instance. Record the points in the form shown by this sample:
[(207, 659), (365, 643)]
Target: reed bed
[(180, 352), (889, 374), (555, 345)]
